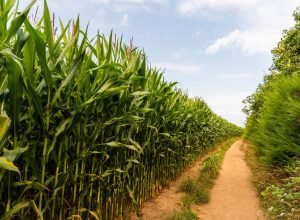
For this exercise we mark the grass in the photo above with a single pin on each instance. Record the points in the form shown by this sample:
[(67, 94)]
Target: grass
[(212, 165), (182, 215), (187, 186), (194, 191), (278, 188), (211, 168), (187, 201)]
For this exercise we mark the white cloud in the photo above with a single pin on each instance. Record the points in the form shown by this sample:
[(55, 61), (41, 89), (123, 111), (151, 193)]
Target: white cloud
[(223, 42), (179, 68), (249, 42), (228, 105), (260, 22), (125, 20)]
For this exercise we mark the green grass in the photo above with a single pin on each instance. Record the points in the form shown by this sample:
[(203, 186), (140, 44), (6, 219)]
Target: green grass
[(187, 201), (194, 191), (210, 171), (188, 185), (201, 195), (182, 215)]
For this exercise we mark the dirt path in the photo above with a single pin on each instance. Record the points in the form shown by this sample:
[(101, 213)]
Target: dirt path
[(168, 200), (233, 196)]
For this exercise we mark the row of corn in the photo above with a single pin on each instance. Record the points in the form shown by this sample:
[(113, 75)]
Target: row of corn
[(87, 127)]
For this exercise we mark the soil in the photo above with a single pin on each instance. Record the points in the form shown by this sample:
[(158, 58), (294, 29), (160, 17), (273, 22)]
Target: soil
[(169, 199), (232, 197)]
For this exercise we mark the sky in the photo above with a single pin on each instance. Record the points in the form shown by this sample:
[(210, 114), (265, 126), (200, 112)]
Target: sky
[(215, 49)]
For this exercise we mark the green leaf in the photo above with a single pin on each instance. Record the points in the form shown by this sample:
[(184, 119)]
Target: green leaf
[(119, 145), (119, 170), (144, 110), (114, 144), (8, 6), (62, 126), (15, 90), (165, 134), (4, 125), (113, 120), (66, 49), (37, 211), (3, 82), (37, 105), (133, 63), (136, 144), (94, 214), (41, 52), (110, 45), (134, 161), (70, 76), (8, 165), (105, 86), (48, 28), (17, 22), (154, 128), (33, 185), (140, 93), (14, 210), (106, 173), (11, 56), (61, 36), (29, 59), (14, 154), (134, 118), (131, 147)]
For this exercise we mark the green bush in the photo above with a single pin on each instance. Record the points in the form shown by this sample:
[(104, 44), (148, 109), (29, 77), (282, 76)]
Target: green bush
[(277, 130)]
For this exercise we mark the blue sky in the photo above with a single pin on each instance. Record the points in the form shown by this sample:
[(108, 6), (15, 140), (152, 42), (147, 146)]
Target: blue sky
[(216, 49)]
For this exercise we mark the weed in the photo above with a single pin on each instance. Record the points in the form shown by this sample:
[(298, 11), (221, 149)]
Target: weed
[(182, 215), (187, 201), (279, 189), (187, 186)]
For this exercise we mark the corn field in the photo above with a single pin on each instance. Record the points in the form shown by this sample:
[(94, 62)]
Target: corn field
[(88, 129)]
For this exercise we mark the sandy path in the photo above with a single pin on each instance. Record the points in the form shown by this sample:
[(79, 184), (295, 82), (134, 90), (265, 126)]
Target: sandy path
[(233, 196), (168, 200)]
